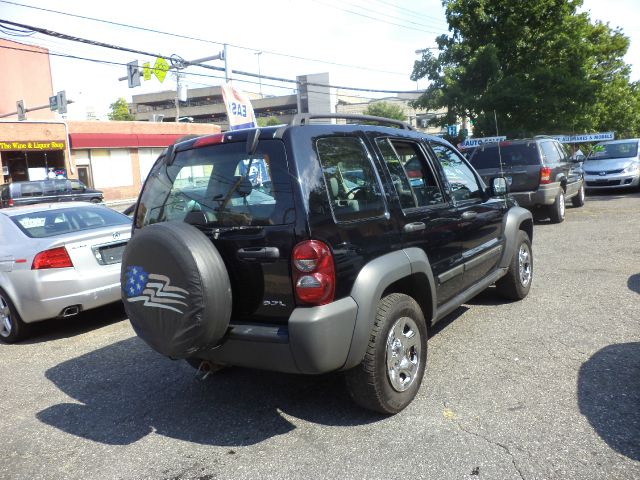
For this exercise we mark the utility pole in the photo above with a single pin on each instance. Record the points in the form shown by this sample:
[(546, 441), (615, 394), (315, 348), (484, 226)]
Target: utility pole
[(259, 73)]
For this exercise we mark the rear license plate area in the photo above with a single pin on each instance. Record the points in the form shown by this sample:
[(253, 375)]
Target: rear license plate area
[(110, 254)]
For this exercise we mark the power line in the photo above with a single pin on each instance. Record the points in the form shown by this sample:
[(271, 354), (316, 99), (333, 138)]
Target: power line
[(64, 36), (387, 15), (374, 18), (192, 74), (187, 37), (430, 18)]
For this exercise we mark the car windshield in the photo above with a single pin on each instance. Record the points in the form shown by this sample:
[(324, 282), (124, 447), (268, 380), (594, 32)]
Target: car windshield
[(220, 186), (512, 154), (50, 223), (613, 150)]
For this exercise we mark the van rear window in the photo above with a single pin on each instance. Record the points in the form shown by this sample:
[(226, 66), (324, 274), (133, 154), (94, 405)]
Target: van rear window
[(515, 154), (220, 186)]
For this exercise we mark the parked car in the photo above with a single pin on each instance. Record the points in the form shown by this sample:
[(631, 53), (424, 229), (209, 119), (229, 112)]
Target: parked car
[(56, 261), (539, 171), (47, 191), (613, 164), (340, 267)]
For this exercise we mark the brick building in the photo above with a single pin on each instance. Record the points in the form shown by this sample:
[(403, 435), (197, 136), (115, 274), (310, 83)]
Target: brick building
[(114, 157)]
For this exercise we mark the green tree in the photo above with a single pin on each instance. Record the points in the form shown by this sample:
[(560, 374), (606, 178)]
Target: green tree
[(120, 110), (536, 67), (268, 121), (385, 110)]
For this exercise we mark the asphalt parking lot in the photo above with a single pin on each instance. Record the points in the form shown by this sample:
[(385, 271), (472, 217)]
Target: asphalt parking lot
[(546, 388)]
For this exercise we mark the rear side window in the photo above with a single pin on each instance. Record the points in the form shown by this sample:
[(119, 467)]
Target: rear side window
[(353, 187), (550, 152), (462, 181), (31, 189), (222, 186), (515, 154), (50, 223)]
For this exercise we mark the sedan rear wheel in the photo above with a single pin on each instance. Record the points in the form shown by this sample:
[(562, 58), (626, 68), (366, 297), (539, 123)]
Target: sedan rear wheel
[(12, 328)]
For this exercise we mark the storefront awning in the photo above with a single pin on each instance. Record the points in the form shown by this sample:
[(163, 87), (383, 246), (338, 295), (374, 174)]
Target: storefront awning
[(121, 140)]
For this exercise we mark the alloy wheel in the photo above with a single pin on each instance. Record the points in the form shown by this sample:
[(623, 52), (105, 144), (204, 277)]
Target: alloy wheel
[(403, 353), (6, 325), (524, 264)]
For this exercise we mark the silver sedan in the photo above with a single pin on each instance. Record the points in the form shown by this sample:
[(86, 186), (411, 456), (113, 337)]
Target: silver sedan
[(57, 260)]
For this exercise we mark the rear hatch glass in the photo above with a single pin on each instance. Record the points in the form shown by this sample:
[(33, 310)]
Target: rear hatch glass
[(518, 162), (222, 182)]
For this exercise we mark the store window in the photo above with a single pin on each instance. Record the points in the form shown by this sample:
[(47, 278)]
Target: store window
[(111, 168)]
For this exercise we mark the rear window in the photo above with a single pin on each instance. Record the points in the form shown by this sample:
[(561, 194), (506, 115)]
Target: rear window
[(220, 186), (50, 223), (515, 154)]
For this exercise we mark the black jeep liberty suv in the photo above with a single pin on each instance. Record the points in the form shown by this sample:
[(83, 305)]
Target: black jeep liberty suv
[(318, 247)]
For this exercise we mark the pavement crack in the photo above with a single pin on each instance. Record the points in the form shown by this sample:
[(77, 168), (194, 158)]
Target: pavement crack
[(505, 448)]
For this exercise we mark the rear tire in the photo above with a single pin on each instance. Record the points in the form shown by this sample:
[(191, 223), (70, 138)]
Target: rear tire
[(391, 372), (557, 210), (12, 328), (578, 200), (515, 285)]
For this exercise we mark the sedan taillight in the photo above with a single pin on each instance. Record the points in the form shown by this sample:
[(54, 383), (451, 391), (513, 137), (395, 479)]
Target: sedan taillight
[(52, 258), (314, 276)]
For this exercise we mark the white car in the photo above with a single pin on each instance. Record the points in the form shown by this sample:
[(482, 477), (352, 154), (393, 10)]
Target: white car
[(613, 164), (57, 260)]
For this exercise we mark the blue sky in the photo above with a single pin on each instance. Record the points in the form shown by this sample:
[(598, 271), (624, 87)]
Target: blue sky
[(364, 43)]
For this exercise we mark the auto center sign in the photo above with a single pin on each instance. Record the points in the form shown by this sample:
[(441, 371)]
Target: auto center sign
[(584, 138), (474, 142)]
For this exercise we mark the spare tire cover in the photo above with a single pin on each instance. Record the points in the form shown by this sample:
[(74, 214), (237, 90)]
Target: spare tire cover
[(175, 289)]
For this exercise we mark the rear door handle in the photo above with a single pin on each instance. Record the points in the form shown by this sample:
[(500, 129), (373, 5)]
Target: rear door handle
[(259, 253), (469, 215), (414, 227)]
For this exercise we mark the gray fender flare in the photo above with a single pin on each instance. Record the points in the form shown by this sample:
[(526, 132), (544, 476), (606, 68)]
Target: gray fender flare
[(517, 218), (374, 278)]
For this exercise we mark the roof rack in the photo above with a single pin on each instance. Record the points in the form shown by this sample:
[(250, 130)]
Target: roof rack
[(305, 118)]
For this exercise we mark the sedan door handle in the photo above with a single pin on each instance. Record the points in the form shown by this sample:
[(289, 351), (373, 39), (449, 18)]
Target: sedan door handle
[(414, 227), (469, 215)]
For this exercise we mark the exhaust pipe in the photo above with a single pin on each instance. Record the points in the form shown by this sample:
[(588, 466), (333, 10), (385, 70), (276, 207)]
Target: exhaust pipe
[(71, 311)]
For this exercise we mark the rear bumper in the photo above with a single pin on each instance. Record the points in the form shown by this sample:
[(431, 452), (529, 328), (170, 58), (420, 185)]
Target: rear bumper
[(544, 195), (316, 340), (39, 295)]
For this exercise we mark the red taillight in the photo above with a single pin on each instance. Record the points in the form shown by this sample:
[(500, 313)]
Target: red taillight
[(414, 174), (11, 202), (209, 140), (314, 276), (54, 258), (545, 175)]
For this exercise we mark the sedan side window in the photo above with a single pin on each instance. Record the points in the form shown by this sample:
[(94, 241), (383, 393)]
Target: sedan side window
[(462, 181)]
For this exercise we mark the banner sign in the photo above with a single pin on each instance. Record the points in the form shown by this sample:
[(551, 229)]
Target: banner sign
[(32, 145), (239, 109), (474, 142), (584, 138)]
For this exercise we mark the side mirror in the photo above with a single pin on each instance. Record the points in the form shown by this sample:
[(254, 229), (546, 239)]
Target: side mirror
[(499, 187)]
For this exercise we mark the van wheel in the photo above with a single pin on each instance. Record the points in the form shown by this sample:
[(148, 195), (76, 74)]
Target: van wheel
[(556, 211), (12, 328), (515, 285), (578, 200), (391, 372)]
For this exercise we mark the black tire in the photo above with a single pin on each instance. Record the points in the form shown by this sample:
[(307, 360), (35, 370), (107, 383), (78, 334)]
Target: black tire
[(578, 200), (96, 200), (515, 285), (12, 328), (557, 210), (376, 384), (176, 289)]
